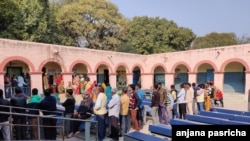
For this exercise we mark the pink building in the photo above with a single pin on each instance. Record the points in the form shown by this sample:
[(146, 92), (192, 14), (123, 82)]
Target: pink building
[(228, 66)]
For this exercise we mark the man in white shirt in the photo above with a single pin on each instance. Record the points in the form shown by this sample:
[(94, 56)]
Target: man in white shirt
[(182, 102), (21, 82), (114, 110), (189, 98)]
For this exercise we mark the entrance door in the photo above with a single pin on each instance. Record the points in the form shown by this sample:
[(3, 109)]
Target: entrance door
[(14, 70), (136, 77), (106, 76)]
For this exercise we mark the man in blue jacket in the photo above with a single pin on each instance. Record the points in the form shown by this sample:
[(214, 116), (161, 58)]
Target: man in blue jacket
[(141, 95)]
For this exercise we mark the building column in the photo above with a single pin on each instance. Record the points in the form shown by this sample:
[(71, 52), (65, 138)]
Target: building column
[(92, 77), (247, 88), (2, 81), (36, 81), (192, 77), (147, 80), (219, 80), (67, 77), (129, 77), (169, 80), (112, 80)]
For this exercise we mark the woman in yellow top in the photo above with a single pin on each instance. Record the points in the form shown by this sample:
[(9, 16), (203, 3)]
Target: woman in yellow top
[(207, 101)]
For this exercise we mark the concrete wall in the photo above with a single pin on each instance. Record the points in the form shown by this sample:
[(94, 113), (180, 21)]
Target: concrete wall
[(37, 55)]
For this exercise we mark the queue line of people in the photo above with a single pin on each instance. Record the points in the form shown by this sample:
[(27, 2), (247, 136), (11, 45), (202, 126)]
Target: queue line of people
[(19, 102), (124, 110), (190, 99)]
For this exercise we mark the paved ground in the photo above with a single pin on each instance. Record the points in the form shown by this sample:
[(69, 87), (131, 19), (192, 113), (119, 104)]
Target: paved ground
[(80, 137)]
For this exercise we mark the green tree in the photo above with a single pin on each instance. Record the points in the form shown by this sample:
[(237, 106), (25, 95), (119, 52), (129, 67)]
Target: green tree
[(7, 13), (125, 47), (26, 20), (95, 24), (215, 40), (62, 2), (157, 35)]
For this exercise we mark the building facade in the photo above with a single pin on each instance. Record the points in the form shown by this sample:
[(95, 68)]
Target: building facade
[(228, 67)]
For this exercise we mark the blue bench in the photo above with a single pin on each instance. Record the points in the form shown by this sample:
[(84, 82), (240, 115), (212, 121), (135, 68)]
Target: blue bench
[(147, 108), (217, 115), (212, 120), (234, 112), (161, 129), (146, 102), (184, 122), (204, 119), (230, 122), (240, 118), (138, 136)]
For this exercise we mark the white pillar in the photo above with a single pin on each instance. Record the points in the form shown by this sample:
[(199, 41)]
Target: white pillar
[(112, 80), (169, 80), (129, 77), (92, 77), (247, 87), (2, 82), (147, 80), (219, 80), (36, 81), (192, 77), (67, 77)]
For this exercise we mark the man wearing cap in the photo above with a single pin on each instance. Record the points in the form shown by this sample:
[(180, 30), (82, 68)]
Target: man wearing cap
[(83, 112), (113, 111)]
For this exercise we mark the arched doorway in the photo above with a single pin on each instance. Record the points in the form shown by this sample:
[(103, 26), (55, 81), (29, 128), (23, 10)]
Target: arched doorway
[(17, 72), (136, 75), (159, 75), (51, 76), (80, 69), (102, 74), (234, 77), (205, 73), (181, 75), (121, 77)]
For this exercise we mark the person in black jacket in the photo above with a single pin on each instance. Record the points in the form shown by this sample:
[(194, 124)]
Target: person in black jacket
[(84, 111), (49, 104), (19, 101), (4, 118), (69, 105)]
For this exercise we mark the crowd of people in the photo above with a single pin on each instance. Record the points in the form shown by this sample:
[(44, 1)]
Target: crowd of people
[(190, 99), (117, 112), (10, 83), (112, 112), (20, 103)]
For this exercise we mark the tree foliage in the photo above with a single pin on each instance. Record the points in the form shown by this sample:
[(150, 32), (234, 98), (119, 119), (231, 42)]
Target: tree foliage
[(25, 19), (215, 40), (128, 48), (157, 35), (96, 22)]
